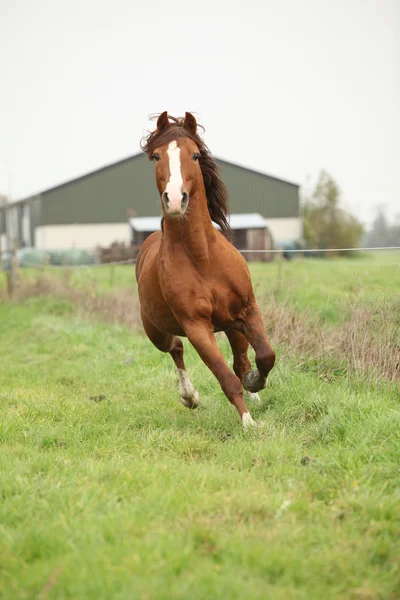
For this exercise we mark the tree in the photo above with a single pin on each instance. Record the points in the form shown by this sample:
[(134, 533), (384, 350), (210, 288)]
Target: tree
[(326, 224), (383, 233)]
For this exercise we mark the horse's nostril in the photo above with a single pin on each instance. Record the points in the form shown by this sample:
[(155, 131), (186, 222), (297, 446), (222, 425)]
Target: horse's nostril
[(176, 203)]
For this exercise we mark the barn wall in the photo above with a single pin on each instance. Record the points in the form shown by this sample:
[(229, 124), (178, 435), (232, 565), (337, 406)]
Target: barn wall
[(35, 208), (84, 237), (3, 238), (22, 218), (253, 192), (12, 230), (2, 221), (285, 229), (3, 242), (104, 196), (113, 194)]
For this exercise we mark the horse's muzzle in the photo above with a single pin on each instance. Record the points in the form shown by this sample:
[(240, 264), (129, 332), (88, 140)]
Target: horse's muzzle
[(175, 205)]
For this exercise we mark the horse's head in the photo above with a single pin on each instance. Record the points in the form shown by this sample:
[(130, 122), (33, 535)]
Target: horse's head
[(176, 156), (184, 167)]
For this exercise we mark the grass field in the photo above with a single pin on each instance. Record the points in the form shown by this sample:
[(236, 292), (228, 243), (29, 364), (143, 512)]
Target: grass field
[(110, 488)]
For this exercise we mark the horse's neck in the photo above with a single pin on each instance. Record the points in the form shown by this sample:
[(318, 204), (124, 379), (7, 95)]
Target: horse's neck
[(193, 232)]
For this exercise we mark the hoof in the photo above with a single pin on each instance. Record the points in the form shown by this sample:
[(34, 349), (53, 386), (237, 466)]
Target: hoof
[(191, 401), (254, 382), (189, 395)]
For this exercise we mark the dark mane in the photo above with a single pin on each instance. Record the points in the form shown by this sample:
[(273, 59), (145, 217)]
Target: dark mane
[(217, 196)]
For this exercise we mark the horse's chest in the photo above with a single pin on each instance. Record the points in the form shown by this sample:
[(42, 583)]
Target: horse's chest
[(177, 299), (160, 314)]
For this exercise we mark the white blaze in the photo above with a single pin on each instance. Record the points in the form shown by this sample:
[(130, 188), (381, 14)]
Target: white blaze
[(175, 183)]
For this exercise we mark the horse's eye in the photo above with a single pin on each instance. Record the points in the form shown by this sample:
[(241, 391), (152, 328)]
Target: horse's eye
[(196, 156), (156, 157)]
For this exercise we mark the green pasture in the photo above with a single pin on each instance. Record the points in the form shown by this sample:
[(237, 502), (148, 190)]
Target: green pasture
[(111, 489)]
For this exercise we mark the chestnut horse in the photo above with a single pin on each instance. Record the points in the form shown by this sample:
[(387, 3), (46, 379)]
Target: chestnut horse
[(192, 281)]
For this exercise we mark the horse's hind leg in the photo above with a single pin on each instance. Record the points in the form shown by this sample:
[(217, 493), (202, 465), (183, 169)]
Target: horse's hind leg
[(252, 328), (188, 394), (166, 342), (241, 363)]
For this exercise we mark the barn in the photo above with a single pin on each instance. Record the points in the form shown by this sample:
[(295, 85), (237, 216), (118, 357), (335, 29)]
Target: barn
[(250, 232), (96, 208)]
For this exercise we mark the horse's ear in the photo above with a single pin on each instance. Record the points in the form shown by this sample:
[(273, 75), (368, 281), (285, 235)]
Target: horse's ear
[(190, 123), (163, 122)]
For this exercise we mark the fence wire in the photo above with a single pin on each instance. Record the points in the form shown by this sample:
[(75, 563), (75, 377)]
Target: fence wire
[(321, 250), (279, 251)]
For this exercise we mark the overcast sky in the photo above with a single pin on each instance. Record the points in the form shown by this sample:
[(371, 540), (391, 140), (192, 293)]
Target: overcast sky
[(286, 87)]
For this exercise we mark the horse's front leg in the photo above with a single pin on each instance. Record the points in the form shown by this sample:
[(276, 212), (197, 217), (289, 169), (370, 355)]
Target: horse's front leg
[(202, 338), (252, 327)]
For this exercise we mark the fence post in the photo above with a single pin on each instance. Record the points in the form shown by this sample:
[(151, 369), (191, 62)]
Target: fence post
[(280, 262)]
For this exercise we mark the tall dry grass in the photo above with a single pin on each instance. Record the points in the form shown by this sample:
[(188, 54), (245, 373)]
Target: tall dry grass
[(117, 306), (366, 343)]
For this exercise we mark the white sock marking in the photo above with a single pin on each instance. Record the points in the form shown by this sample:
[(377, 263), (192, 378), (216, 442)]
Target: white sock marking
[(254, 397), (248, 421), (175, 183), (189, 395)]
